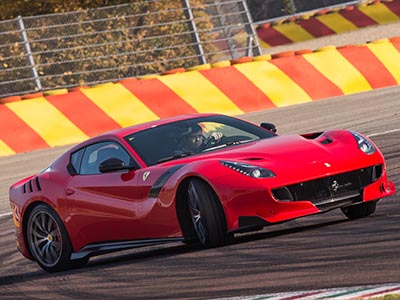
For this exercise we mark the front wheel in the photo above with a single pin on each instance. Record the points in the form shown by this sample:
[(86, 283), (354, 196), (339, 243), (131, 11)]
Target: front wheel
[(48, 240), (359, 210), (206, 213)]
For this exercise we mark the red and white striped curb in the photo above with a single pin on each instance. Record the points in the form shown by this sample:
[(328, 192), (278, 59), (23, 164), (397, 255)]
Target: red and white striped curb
[(360, 292)]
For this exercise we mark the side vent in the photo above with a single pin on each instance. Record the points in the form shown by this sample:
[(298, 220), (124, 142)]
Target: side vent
[(32, 185), (38, 184)]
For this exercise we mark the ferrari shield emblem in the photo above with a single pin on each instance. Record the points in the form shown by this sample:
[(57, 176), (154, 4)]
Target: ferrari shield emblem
[(145, 175)]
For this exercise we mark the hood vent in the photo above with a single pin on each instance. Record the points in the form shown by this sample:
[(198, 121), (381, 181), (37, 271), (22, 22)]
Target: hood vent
[(254, 158), (326, 141), (319, 137)]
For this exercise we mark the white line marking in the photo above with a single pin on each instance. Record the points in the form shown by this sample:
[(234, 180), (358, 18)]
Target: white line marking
[(5, 215), (356, 292), (384, 132)]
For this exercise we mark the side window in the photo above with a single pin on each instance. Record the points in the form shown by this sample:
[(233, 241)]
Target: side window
[(95, 154), (76, 159)]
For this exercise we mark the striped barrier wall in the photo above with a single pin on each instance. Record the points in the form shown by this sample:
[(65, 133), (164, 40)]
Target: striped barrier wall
[(234, 87), (327, 22)]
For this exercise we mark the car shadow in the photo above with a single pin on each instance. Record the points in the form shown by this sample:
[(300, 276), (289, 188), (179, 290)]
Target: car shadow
[(156, 252)]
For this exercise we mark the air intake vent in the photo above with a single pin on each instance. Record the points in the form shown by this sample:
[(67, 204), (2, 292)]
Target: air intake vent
[(326, 141), (333, 188), (38, 184)]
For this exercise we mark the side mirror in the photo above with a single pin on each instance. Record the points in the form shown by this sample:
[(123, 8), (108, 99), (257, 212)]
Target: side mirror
[(271, 127), (113, 164)]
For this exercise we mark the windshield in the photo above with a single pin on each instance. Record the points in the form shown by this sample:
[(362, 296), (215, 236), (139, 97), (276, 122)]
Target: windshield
[(193, 136)]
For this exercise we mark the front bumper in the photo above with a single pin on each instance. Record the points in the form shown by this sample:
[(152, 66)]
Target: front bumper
[(262, 205)]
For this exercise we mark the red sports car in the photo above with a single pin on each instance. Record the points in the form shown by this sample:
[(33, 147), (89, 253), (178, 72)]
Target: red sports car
[(193, 178)]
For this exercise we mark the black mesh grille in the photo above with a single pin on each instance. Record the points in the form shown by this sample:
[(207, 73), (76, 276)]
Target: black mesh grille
[(331, 189)]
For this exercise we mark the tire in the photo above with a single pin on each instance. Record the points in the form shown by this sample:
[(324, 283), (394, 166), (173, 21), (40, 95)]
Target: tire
[(359, 210), (48, 240), (206, 214)]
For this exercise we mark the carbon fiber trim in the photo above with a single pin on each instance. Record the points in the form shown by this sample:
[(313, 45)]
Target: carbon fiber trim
[(162, 180)]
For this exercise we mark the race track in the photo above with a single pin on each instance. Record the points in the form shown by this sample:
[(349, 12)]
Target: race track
[(315, 252)]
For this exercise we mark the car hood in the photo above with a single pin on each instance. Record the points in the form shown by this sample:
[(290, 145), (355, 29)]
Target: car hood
[(281, 149), (290, 154)]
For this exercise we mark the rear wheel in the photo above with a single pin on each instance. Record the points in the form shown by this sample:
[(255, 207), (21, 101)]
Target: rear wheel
[(206, 213), (48, 240), (359, 210)]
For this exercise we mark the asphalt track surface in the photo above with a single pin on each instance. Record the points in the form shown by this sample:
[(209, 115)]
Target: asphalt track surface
[(321, 251)]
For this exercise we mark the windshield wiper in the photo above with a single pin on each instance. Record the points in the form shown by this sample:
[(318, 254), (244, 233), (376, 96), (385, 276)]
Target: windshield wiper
[(176, 156)]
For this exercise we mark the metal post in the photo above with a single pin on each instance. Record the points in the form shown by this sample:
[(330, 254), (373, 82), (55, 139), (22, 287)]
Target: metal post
[(226, 30), (293, 4), (195, 35), (256, 49), (29, 53)]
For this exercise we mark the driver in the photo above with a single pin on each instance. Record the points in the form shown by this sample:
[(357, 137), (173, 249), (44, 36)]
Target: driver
[(194, 141)]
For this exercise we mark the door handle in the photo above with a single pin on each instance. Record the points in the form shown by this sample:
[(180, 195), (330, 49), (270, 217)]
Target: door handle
[(69, 192)]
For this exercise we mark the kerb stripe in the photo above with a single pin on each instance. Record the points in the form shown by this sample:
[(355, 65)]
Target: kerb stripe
[(83, 113), (47, 121), (158, 97), (272, 36), (239, 89), (374, 71), (338, 70), (357, 18), (380, 13), (389, 55), (120, 104), (316, 27), (5, 149), (19, 136), (396, 45), (200, 93), (307, 77), (394, 7), (274, 83), (337, 23), (294, 32)]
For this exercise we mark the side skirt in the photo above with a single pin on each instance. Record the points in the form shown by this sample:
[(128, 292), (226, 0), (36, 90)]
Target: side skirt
[(102, 248)]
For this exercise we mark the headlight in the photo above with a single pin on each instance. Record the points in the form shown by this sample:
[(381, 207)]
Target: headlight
[(248, 170), (365, 145)]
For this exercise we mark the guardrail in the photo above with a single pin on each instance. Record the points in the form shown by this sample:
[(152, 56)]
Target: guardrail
[(66, 50), (94, 46)]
